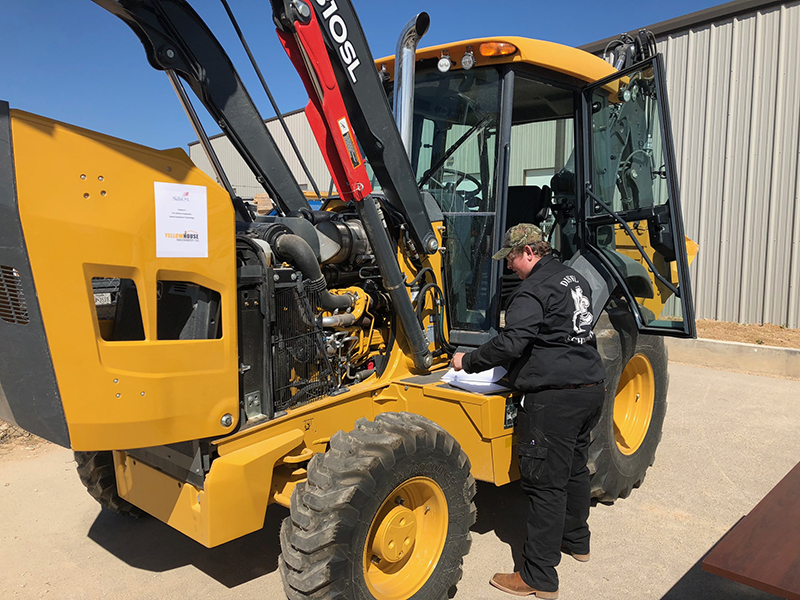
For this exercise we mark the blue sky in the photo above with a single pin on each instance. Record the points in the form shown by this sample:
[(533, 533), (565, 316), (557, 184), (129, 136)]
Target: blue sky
[(73, 61)]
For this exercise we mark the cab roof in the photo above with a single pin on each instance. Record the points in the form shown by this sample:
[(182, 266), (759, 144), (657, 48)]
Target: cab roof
[(547, 55)]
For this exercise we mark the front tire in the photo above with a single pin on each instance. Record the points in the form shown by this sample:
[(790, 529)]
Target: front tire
[(624, 442), (96, 471), (384, 514)]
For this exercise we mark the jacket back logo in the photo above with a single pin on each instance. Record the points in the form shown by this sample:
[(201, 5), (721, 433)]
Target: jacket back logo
[(582, 318)]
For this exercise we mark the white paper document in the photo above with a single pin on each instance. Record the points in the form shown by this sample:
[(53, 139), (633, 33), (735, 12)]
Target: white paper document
[(181, 220), (484, 382)]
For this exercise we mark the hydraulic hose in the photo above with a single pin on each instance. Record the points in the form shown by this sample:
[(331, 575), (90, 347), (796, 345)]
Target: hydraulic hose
[(394, 282)]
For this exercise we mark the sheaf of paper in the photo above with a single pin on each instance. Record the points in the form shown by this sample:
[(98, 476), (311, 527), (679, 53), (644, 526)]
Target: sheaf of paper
[(181, 220), (483, 382)]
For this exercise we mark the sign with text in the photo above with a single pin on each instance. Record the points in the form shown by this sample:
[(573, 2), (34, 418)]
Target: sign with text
[(181, 220)]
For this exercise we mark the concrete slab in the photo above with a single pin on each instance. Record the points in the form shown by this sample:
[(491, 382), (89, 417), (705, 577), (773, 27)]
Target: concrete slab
[(735, 356)]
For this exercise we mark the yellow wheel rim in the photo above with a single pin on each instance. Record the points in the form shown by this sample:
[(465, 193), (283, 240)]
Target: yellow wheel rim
[(405, 539), (633, 404)]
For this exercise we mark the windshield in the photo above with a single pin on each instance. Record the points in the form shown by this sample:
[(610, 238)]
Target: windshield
[(456, 117)]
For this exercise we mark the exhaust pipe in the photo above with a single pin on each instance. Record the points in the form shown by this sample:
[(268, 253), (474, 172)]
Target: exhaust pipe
[(404, 68)]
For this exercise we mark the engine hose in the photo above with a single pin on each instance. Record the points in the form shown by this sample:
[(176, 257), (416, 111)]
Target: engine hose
[(345, 320), (394, 282), (436, 316), (362, 375), (296, 251)]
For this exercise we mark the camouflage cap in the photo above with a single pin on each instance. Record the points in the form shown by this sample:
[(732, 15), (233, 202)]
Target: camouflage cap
[(518, 236)]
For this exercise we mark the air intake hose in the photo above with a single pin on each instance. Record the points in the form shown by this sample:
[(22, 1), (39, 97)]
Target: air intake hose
[(297, 252)]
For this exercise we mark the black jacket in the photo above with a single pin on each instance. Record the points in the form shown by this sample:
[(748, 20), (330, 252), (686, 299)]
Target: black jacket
[(548, 339)]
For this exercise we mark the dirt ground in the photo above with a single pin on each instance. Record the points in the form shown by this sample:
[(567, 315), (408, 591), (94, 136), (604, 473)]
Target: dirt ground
[(14, 437), (767, 335), (728, 438)]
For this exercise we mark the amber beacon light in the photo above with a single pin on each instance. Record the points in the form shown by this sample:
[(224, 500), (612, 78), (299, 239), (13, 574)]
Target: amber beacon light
[(497, 49)]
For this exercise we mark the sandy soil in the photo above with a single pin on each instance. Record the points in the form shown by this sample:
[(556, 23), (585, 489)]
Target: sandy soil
[(767, 335), (728, 438), (14, 437)]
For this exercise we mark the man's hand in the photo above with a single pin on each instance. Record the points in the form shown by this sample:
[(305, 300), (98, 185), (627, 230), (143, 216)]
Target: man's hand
[(456, 361)]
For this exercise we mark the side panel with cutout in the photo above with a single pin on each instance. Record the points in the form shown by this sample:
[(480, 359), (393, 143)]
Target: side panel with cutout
[(143, 347)]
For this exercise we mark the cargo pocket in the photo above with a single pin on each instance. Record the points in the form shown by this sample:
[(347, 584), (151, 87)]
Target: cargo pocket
[(531, 442)]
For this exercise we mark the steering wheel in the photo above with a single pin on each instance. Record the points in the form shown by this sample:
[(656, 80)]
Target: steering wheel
[(468, 196)]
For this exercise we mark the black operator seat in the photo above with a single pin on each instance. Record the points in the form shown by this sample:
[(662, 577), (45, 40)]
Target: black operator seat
[(525, 204)]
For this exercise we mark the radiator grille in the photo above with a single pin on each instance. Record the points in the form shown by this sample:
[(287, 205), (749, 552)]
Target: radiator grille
[(302, 371), (13, 308)]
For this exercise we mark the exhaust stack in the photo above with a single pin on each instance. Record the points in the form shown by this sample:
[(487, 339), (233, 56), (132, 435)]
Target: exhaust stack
[(404, 67)]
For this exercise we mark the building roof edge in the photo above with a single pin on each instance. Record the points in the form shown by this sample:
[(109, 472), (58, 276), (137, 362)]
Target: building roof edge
[(695, 19)]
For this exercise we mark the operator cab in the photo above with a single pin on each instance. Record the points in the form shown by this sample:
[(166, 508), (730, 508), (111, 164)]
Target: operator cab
[(592, 166)]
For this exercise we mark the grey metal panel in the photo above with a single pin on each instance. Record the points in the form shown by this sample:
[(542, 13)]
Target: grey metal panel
[(757, 202), (713, 156), (782, 253), (532, 147), (243, 180), (735, 177), (30, 396), (689, 149), (733, 87)]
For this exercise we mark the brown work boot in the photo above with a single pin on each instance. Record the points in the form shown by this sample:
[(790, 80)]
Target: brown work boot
[(513, 584), (578, 557)]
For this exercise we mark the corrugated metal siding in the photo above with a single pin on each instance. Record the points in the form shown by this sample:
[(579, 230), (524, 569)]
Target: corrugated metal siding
[(733, 88), (243, 179), (533, 146)]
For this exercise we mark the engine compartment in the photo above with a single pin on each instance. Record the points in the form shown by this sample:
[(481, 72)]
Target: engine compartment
[(314, 314)]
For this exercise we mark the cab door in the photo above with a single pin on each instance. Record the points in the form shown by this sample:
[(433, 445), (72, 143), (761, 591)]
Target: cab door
[(633, 223)]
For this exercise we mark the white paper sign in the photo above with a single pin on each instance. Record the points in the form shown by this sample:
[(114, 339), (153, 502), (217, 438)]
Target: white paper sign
[(181, 220), (483, 382)]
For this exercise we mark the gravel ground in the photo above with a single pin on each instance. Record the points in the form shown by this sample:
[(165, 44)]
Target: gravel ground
[(728, 439)]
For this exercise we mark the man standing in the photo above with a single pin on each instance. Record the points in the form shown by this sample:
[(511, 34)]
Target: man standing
[(550, 351)]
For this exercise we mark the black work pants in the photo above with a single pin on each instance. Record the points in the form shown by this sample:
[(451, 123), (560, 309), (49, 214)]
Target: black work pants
[(553, 434)]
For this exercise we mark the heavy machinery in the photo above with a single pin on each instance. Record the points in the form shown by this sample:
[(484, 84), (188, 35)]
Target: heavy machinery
[(204, 362)]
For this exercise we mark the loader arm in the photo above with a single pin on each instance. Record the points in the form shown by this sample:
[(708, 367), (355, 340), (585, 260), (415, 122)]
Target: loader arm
[(329, 116), (366, 105), (176, 38)]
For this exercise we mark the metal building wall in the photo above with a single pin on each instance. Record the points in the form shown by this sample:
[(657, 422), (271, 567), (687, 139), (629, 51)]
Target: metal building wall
[(243, 179), (733, 88)]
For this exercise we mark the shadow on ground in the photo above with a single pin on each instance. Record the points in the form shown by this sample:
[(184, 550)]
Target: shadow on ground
[(502, 510), (147, 543)]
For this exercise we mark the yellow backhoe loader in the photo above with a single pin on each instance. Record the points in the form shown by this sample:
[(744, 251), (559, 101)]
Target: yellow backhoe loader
[(204, 361)]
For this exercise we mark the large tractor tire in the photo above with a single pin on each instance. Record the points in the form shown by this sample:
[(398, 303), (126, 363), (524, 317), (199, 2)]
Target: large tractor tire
[(624, 442), (384, 514), (96, 470)]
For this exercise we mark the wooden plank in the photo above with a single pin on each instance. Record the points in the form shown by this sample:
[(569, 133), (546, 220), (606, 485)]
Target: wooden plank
[(763, 549)]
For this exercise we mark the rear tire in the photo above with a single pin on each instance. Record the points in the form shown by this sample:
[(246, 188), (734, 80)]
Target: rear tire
[(624, 442), (384, 514), (96, 470)]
